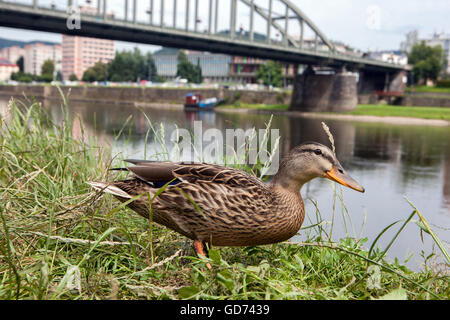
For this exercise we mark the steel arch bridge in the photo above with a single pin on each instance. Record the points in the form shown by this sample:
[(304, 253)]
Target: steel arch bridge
[(192, 24)]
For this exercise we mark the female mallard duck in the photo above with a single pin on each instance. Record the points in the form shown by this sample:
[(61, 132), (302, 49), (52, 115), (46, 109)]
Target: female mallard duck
[(232, 208)]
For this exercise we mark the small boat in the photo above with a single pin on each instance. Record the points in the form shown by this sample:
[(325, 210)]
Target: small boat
[(195, 102)]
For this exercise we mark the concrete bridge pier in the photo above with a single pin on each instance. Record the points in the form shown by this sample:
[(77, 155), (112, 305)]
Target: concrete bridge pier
[(373, 86), (370, 82), (333, 90)]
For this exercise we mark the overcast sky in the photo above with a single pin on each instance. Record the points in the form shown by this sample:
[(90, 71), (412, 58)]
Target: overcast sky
[(363, 24)]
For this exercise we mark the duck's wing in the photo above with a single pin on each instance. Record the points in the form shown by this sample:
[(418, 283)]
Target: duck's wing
[(164, 172)]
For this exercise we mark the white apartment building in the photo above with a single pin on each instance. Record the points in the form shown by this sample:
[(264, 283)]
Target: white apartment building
[(12, 53), (37, 53)]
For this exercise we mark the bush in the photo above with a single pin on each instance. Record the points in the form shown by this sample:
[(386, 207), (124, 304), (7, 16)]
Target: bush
[(237, 95), (23, 77), (46, 77), (443, 84)]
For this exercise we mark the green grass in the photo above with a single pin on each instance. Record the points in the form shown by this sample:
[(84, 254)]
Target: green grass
[(428, 89), (402, 111), (61, 240), (365, 110)]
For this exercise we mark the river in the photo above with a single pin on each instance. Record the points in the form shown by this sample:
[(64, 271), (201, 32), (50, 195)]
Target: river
[(391, 162)]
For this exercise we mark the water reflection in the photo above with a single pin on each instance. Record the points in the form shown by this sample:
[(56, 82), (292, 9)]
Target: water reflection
[(390, 161)]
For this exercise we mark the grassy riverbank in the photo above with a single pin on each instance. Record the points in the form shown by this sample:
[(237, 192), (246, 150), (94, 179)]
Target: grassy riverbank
[(365, 110), (61, 240), (428, 89), (402, 111)]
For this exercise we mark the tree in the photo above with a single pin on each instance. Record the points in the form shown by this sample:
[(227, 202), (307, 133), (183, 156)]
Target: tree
[(23, 77), (117, 68), (198, 72), (98, 72), (427, 62), (152, 72), (59, 76), (132, 66), (270, 73), (48, 67), (19, 63), (186, 70), (73, 77)]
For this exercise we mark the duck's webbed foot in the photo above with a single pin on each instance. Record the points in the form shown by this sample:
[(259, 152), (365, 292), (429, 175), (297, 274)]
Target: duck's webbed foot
[(200, 249)]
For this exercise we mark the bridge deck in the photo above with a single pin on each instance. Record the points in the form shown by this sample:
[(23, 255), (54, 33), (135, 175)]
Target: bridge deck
[(27, 17)]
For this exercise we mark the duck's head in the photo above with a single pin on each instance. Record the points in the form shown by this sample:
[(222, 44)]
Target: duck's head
[(312, 160)]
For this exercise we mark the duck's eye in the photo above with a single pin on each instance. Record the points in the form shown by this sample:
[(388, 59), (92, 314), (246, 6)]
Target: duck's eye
[(317, 151)]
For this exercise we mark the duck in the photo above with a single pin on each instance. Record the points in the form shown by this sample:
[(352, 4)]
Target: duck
[(215, 205)]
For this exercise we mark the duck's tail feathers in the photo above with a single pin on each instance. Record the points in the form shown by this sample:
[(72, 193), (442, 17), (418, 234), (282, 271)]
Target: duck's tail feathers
[(109, 188)]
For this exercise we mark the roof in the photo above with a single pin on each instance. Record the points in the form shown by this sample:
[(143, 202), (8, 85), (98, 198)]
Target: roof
[(6, 62)]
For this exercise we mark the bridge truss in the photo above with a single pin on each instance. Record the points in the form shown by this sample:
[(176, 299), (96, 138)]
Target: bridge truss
[(275, 29)]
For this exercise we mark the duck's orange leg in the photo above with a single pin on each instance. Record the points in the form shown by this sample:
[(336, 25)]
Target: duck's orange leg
[(198, 247)]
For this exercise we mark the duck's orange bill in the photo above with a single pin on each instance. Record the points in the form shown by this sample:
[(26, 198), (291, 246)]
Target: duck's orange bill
[(343, 179)]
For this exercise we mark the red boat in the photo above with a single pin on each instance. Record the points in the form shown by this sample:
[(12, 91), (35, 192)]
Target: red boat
[(195, 102)]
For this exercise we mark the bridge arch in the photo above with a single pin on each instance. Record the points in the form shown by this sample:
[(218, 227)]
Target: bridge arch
[(292, 12)]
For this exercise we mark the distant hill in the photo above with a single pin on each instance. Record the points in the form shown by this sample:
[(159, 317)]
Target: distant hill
[(9, 43)]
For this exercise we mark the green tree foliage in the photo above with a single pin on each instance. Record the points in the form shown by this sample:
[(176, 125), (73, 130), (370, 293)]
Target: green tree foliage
[(73, 77), (188, 71), (98, 72), (47, 70), (48, 67), (427, 61), (270, 73), (19, 63), (127, 66), (24, 77), (132, 66)]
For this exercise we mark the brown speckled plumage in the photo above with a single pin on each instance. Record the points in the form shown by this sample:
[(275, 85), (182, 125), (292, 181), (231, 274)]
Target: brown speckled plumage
[(232, 208), (235, 208)]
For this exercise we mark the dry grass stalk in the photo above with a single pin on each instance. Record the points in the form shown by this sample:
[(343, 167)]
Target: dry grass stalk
[(330, 136)]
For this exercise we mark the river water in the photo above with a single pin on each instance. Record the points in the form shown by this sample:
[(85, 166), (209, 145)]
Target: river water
[(391, 162)]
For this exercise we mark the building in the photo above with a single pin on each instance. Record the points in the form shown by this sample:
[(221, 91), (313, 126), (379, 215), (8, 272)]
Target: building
[(215, 67), (443, 40), (7, 68), (81, 53), (219, 68), (35, 54), (12, 53), (391, 56), (243, 70), (412, 38)]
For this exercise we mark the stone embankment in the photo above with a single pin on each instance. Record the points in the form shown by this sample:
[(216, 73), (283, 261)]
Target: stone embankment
[(142, 95)]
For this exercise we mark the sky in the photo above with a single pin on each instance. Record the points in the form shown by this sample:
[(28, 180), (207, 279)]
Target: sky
[(363, 24)]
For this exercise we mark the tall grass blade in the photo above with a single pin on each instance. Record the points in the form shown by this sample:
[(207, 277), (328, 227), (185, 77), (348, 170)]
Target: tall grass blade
[(431, 232)]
